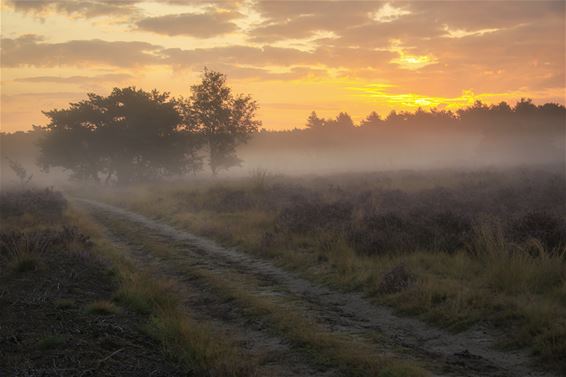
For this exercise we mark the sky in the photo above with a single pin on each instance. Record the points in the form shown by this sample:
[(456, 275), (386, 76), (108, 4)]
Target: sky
[(291, 56)]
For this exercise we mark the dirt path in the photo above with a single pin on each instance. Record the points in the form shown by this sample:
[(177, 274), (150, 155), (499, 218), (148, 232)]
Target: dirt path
[(470, 353)]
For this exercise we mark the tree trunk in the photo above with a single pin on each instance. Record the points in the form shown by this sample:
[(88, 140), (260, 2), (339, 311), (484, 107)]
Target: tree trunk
[(110, 172)]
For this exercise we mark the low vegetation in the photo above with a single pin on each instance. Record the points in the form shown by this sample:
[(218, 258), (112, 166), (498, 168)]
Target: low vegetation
[(69, 291), (190, 342), (329, 349), (454, 248), (53, 283)]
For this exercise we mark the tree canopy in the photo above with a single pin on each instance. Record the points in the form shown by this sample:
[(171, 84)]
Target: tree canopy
[(222, 119), (134, 135)]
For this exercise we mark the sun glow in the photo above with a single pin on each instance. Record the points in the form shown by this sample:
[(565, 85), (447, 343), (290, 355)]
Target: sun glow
[(292, 57), (410, 61), (381, 94)]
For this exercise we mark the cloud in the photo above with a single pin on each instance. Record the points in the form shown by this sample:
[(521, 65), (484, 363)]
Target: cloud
[(324, 57), (79, 80), (203, 25), (31, 50), (446, 47), (289, 19), (80, 8), (388, 13), (237, 55), (470, 15)]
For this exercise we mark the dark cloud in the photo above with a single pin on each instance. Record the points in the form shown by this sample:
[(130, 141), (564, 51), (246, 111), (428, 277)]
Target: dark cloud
[(474, 15), (31, 50), (277, 56), (82, 8), (353, 23), (80, 80), (204, 25), (288, 19), (526, 48), (236, 55)]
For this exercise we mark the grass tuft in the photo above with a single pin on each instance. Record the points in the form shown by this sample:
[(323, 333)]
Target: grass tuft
[(102, 307)]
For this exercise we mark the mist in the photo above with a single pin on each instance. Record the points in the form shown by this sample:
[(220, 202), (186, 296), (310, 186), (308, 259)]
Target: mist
[(476, 137), (283, 188)]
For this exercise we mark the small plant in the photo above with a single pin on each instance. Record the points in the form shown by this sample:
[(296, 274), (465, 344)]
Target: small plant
[(46, 204), (102, 307), (259, 178), (20, 171)]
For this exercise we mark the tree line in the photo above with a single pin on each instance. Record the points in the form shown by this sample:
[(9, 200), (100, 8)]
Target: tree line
[(524, 114), (502, 130), (133, 135)]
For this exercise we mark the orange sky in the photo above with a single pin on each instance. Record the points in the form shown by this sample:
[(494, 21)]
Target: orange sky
[(293, 57)]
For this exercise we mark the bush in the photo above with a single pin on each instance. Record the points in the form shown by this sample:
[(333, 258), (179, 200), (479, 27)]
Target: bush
[(549, 229), (45, 204), (307, 217), (15, 244)]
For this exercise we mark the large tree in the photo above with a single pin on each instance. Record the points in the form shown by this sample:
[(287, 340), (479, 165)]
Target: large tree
[(131, 135), (224, 120)]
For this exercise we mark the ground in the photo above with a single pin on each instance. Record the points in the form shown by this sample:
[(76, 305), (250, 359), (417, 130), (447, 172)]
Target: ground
[(292, 326), (223, 281), (57, 319)]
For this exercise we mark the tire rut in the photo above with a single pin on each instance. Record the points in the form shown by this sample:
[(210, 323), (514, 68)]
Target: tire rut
[(470, 353), (275, 355)]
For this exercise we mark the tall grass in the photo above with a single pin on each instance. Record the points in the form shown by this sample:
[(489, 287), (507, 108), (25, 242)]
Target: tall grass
[(192, 343), (478, 247)]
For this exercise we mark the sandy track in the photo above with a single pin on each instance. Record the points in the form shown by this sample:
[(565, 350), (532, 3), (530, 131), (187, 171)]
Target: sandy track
[(470, 353)]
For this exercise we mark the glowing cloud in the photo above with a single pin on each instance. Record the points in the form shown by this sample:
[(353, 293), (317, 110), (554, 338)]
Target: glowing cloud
[(388, 13), (461, 33), (410, 61)]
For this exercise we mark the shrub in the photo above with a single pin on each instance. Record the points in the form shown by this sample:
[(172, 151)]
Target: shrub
[(46, 204), (550, 230), (21, 246), (40, 241), (381, 234), (306, 217)]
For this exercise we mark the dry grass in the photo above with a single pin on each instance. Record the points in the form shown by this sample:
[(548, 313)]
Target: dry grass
[(191, 342), (102, 307), (354, 356), (520, 287)]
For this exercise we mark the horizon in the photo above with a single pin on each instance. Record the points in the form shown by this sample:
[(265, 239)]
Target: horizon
[(292, 57), (288, 188)]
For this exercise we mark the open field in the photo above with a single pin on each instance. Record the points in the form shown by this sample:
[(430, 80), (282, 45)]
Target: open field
[(78, 306), (478, 255), (58, 314), (290, 188)]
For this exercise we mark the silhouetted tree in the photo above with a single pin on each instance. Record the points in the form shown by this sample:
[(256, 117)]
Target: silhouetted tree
[(70, 140), (313, 121), (343, 120), (131, 134), (223, 120), (373, 119)]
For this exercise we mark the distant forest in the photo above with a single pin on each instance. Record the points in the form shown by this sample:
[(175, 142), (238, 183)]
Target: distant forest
[(476, 136)]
